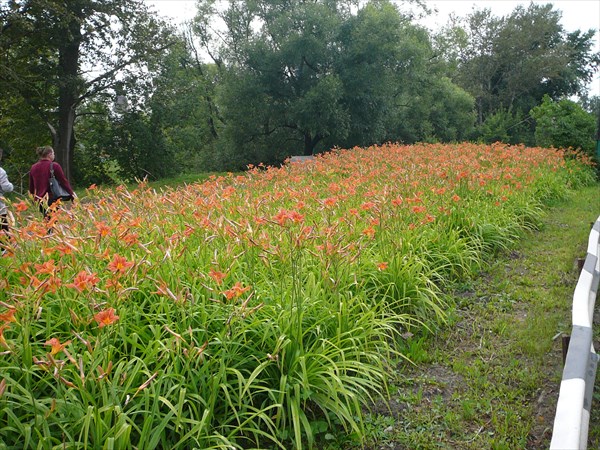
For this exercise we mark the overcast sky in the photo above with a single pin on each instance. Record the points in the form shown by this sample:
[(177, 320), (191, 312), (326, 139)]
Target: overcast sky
[(576, 14)]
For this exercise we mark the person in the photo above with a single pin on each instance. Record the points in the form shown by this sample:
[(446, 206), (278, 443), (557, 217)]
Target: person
[(5, 187), (39, 180)]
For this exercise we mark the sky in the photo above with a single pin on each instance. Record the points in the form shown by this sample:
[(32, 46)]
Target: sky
[(576, 14)]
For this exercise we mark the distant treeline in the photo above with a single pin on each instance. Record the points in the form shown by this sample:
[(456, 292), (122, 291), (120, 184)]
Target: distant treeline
[(122, 95)]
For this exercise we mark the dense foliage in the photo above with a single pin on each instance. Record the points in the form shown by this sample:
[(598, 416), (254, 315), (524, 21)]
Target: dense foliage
[(250, 82), (58, 55), (564, 124), (510, 63), (252, 311)]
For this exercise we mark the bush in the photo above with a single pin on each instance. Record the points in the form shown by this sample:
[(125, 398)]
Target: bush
[(564, 124)]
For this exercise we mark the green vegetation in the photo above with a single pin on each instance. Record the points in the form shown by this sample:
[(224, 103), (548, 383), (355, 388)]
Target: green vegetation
[(490, 379), (564, 124), (265, 309), (251, 82)]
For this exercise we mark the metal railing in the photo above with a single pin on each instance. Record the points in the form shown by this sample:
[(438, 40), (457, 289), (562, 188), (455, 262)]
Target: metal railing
[(572, 417)]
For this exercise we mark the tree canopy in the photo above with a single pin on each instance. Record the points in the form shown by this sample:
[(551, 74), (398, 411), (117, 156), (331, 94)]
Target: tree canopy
[(256, 81), (510, 63), (303, 77), (56, 55), (564, 124)]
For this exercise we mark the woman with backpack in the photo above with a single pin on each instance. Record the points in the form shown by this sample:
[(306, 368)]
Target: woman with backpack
[(39, 180)]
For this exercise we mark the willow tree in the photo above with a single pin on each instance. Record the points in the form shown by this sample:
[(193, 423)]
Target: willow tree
[(280, 91), (56, 54), (302, 76)]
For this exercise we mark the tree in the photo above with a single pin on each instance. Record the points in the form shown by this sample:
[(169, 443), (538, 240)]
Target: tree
[(510, 63), (18, 129), (183, 106), (506, 126), (564, 124), (437, 110), (121, 147), (299, 77), (469, 51), (282, 90), (57, 54), (382, 58)]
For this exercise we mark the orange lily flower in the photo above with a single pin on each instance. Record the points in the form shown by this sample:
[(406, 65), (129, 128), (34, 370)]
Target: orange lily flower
[(217, 276), (370, 232), (84, 281), (2, 340), (236, 291), (8, 316), (57, 347), (106, 317), (382, 266), (119, 264), (21, 206), (47, 267), (102, 228)]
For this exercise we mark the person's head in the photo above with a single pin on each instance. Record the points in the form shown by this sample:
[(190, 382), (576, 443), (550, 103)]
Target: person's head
[(45, 152)]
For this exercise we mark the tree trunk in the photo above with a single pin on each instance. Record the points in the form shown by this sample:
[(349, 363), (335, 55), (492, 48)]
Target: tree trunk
[(64, 138), (310, 143), (479, 110), (69, 52)]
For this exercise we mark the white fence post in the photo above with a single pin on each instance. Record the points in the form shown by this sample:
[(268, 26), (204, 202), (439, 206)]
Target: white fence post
[(572, 418)]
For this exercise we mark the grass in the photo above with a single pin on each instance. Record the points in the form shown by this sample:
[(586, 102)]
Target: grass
[(490, 379)]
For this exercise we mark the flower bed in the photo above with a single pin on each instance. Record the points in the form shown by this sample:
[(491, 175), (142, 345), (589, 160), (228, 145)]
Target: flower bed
[(255, 310)]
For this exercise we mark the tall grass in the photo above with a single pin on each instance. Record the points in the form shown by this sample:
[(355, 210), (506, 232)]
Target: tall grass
[(252, 311)]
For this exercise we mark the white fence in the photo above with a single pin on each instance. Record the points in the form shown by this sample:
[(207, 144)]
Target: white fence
[(572, 418)]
